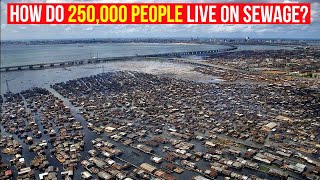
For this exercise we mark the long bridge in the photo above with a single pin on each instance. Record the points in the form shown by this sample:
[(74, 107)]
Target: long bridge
[(102, 60)]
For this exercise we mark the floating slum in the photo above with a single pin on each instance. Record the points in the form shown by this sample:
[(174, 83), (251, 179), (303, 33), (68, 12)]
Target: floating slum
[(131, 125), (214, 130)]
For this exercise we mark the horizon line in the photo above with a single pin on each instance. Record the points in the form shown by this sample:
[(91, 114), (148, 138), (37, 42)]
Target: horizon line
[(163, 38)]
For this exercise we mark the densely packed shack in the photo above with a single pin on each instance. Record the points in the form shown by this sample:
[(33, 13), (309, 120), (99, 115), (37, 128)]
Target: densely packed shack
[(260, 123), (216, 129), (41, 132), (300, 59), (298, 68), (42, 138)]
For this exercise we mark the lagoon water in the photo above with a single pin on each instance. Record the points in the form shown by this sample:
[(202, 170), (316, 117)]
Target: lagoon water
[(13, 55), (22, 80)]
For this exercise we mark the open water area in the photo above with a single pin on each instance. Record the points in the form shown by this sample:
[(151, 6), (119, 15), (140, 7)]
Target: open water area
[(13, 55)]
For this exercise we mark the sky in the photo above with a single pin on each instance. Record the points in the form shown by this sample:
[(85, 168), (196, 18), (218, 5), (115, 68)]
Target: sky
[(24, 32)]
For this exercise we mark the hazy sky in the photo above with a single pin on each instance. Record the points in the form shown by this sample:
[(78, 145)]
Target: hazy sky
[(123, 31)]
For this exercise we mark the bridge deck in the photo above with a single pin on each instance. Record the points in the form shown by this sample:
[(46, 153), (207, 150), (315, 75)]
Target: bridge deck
[(98, 60)]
